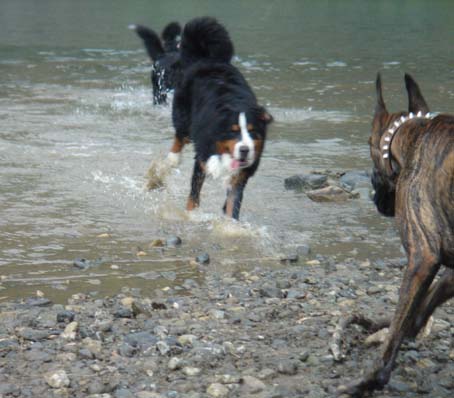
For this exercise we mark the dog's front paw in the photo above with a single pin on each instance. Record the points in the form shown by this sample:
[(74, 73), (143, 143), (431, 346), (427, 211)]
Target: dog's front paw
[(173, 159)]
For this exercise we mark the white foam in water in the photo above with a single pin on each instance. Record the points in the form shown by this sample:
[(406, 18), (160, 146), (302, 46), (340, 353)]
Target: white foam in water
[(336, 64), (294, 116)]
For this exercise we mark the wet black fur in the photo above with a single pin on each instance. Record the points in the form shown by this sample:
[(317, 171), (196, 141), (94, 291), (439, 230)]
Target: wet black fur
[(165, 58), (212, 92), (208, 100)]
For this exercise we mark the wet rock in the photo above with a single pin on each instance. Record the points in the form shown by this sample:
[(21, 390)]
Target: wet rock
[(57, 379), (191, 371), (9, 389), (377, 337), (66, 316), (123, 393), (187, 339), (38, 356), (169, 275), (126, 350), (81, 263), (70, 331), (141, 340), (163, 347), (8, 345), (84, 264), (266, 373), (252, 385), (271, 291), (36, 335), (123, 312), (175, 363), (203, 258), (296, 294), (173, 241), (217, 390), (303, 250), (330, 194), (303, 182), (289, 258), (355, 179), (37, 302), (157, 243)]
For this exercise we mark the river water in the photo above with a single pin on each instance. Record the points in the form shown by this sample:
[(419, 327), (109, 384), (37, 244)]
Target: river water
[(78, 131)]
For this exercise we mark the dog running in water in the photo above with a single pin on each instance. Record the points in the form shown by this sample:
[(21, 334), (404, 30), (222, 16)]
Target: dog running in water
[(413, 178), (215, 108)]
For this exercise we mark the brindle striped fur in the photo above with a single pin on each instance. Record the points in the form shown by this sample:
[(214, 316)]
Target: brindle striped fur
[(417, 186)]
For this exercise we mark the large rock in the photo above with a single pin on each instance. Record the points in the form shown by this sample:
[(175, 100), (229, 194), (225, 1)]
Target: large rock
[(302, 182), (330, 194), (355, 179)]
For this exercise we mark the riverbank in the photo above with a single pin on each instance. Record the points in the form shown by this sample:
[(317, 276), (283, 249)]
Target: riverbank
[(259, 333)]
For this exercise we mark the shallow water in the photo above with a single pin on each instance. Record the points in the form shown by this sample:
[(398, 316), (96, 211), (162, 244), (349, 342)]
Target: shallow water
[(78, 132)]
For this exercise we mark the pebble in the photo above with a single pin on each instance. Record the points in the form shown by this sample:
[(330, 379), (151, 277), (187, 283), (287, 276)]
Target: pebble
[(217, 390), (173, 241), (70, 331), (187, 339), (252, 385), (175, 363), (191, 371), (57, 379), (288, 367), (66, 316), (203, 258)]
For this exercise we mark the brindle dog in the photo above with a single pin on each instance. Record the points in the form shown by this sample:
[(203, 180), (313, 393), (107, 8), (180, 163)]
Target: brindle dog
[(413, 178)]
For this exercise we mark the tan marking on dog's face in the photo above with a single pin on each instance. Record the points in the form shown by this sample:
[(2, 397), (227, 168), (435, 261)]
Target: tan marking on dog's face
[(226, 146)]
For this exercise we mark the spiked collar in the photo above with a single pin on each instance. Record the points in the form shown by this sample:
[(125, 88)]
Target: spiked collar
[(392, 132)]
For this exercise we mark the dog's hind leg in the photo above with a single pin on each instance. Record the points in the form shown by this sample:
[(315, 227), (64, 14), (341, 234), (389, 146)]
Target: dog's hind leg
[(198, 177), (440, 291), (418, 276), (235, 194)]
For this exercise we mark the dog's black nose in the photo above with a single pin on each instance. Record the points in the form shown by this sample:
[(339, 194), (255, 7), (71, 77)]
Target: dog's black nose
[(244, 150)]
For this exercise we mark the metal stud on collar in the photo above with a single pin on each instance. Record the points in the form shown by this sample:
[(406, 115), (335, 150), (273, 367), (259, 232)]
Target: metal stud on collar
[(397, 124)]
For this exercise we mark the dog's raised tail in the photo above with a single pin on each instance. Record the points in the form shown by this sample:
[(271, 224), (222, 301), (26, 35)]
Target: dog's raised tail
[(205, 38), (151, 40)]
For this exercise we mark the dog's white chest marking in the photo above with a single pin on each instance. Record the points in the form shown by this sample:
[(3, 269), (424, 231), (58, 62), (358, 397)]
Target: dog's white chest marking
[(219, 165)]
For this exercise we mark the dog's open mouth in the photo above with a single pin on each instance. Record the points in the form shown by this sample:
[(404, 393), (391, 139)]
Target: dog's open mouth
[(239, 164)]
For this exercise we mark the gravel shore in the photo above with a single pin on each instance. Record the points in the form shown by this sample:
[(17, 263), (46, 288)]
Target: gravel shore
[(259, 333)]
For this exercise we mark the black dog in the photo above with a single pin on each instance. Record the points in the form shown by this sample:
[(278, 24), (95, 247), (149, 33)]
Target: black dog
[(164, 56), (215, 108), (413, 177)]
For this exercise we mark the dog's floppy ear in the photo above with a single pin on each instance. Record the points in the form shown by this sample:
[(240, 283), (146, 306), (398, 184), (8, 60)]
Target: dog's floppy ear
[(380, 107), (416, 102), (150, 39), (263, 115)]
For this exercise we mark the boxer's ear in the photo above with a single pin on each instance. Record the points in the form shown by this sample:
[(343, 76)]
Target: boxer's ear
[(416, 102), (380, 107)]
